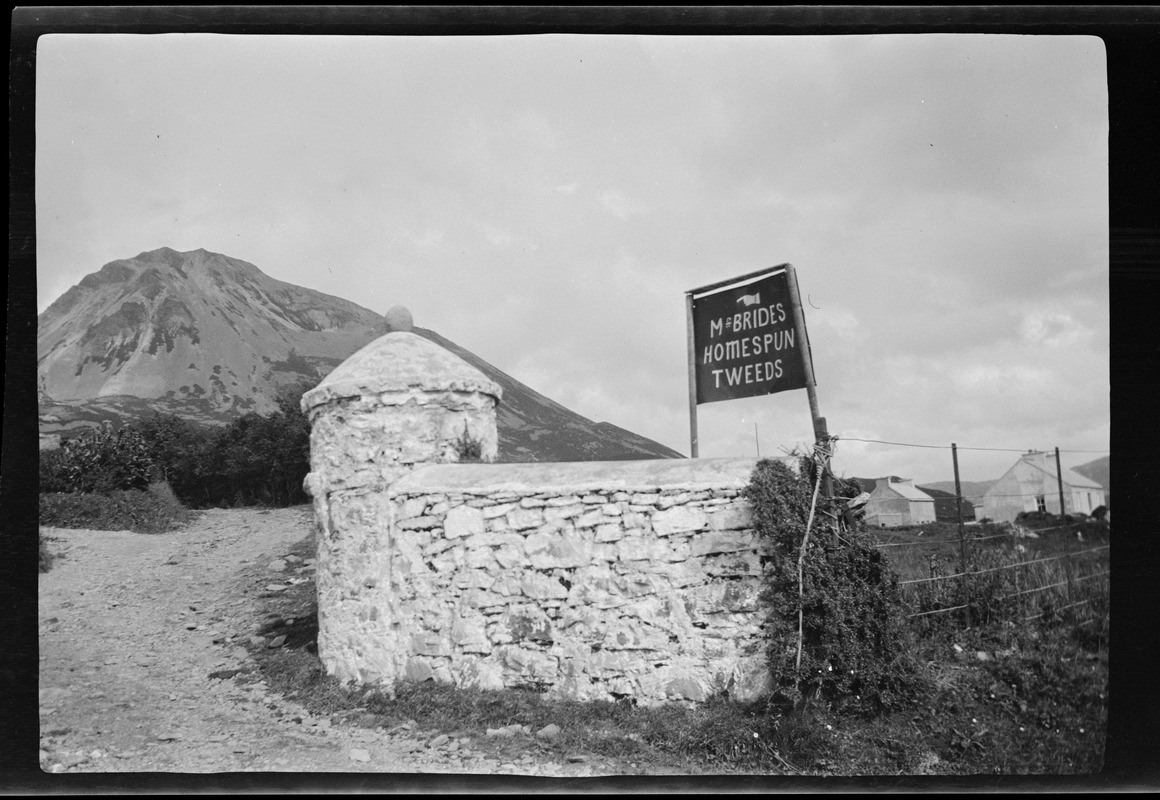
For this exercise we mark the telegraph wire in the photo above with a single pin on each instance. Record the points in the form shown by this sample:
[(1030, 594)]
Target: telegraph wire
[(947, 447)]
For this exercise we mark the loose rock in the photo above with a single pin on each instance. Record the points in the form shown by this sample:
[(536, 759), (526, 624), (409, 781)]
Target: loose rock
[(548, 732)]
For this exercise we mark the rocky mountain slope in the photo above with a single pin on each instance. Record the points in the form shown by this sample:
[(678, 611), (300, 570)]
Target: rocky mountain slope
[(208, 338), (1099, 471)]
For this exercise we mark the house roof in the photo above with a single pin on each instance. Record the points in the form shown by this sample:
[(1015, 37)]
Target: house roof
[(1071, 478), (906, 489)]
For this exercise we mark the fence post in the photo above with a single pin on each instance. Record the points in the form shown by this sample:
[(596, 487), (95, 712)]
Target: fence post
[(1059, 478), (964, 582)]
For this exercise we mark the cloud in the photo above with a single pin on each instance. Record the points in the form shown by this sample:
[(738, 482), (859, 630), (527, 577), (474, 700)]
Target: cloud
[(944, 199), (621, 206)]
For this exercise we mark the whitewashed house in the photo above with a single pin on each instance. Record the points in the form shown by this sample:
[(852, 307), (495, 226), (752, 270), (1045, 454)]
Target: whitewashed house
[(1032, 484), (895, 502)]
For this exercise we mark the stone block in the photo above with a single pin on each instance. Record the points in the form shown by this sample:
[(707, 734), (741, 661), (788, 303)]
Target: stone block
[(475, 577), (541, 587), (510, 556), (633, 635), (686, 688), (731, 518), (527, 623), (678, 519), (429, 643), (490, 538), (635, 521), (597, 588), (480, 599), (418, 523), (606, 664), (668, 500), (564, 500), (634, 548), (555, 550), (680, 574), (484, 674), (528, 664), (418, 670), (470, 634), (508, 585), (723, 542), (557, 514), (590, 519), (413, 507), (491, 512), (733, 565), (448, 561), (750, 679), (603, 553), (463, 521), (666, 613), (611, 510), (521, 519), (609, 532)]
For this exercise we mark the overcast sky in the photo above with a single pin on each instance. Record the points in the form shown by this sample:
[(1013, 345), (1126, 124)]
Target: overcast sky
[(546, 202)]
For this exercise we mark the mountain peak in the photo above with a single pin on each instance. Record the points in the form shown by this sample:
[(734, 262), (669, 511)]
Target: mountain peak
[(209, 337)]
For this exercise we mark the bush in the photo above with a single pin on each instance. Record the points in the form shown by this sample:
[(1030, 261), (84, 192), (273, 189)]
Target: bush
[(853, 626), (101, 461), (255, 460), (153, 510)]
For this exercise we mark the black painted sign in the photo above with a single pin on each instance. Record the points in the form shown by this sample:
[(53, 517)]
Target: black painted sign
[(745, 342)]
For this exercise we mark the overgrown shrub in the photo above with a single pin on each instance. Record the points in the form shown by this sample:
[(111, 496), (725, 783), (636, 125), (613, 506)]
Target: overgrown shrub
[(853, 644), (152, 510), (103, 460), (255, 460)]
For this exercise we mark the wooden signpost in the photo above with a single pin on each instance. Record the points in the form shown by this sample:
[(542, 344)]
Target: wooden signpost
[(746, 338)]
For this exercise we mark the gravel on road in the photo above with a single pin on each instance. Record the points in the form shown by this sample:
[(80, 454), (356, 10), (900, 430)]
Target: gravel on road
[(141, 644)]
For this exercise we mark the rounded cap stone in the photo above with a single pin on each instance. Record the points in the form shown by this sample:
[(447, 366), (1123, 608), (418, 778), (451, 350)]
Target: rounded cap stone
[(400, 362), (399, 319)]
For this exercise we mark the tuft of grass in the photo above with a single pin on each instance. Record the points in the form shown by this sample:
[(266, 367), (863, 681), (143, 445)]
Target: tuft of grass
[(152, 510), (46, 556)]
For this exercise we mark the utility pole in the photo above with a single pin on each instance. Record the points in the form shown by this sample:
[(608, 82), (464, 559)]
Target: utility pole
[(964, 586)]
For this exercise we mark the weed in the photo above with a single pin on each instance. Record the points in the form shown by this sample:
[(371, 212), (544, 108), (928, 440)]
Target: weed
[(468, 448), (46, 557)]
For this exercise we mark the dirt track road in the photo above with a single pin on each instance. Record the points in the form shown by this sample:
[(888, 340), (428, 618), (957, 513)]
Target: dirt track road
[(131, 627)]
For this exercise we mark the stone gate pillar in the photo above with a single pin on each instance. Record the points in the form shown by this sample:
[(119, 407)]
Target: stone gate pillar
[(399, 402)]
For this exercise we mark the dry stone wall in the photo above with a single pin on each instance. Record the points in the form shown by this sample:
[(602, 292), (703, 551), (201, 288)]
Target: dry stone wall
[(586, 580), (594, 580)]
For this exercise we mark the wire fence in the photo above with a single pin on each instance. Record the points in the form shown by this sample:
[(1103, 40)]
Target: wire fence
[(1032, 563)]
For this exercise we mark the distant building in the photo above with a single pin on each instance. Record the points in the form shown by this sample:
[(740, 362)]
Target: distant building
[(895, 502), (946, 505), (1033, 485)]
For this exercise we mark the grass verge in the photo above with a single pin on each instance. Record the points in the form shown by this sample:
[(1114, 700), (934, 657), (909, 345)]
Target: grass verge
[(153, 510), (1034, 703)]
